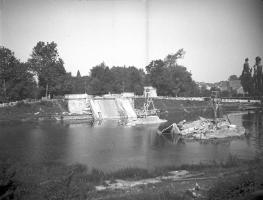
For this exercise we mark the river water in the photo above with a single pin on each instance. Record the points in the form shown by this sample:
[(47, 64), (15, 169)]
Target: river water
[(110, 145)]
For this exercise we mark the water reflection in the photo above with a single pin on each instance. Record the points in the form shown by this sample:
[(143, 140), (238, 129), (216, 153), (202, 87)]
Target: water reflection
[(110, 145), (252, 121)]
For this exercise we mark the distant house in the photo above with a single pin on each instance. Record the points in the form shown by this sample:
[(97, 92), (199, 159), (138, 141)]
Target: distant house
[(149, 91), (240, 91)]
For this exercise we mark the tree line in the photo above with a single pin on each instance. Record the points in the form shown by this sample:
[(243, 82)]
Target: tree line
[(44, 74), (252, 78)]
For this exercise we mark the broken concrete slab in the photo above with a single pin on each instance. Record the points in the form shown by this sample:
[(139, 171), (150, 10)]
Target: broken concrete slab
[(205, 129)]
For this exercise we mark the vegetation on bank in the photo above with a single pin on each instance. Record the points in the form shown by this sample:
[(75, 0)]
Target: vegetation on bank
[(47, 109), (44, 74), (34, 110), (179, 110), (59, 181), (252, 78)]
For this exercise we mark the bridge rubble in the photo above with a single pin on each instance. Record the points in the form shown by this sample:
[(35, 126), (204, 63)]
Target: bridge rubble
[(110, 106), (204, 129)]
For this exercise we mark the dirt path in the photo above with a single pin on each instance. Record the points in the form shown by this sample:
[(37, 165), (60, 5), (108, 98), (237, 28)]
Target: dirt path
[(193, 186)]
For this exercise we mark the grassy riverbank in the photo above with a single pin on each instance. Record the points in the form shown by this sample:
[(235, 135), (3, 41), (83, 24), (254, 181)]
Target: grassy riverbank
[(232, 179), (33, 111), (179, 110), (49, 110)]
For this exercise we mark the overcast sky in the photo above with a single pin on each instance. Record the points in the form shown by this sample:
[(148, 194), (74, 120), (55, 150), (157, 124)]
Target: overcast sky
[(217, 35)]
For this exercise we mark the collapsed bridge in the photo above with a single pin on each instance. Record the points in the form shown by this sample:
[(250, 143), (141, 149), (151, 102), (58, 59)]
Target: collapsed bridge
[(106, 107)]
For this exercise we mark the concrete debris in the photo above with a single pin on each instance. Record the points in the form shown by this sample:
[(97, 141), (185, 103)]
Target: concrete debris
[(209, 129), (172, 129), (204, 129)]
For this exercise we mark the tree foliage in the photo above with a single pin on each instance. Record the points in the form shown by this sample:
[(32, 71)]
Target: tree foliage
[(252, 79), (105, 80), (16, 80), (169, 78), (49, 67)]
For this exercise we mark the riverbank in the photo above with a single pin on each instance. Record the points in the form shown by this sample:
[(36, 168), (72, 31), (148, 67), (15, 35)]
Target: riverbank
[(231, 179), (39, 111), (191, 110), (58, 109)]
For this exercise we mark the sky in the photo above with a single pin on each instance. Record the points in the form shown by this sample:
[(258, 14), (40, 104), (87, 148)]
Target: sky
[(217, 35)]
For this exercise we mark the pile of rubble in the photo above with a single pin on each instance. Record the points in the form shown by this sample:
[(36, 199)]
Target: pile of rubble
[(209, 129), (205, 129)]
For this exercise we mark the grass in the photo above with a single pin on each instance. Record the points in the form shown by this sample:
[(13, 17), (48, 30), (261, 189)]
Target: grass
[(239, 187), (59, 181), (160, 195), (178, 109), (27, 111)]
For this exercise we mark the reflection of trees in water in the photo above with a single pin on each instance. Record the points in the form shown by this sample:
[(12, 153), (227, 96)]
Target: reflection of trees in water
[(253, 123), (247, 120), (259, 133)]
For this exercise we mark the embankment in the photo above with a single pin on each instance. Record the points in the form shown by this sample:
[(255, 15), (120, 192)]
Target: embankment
[(34, 110), (53, 109), (187, 110), (232, 179)]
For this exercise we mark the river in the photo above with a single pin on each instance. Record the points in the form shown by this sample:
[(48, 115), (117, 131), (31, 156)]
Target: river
[(110, 145)]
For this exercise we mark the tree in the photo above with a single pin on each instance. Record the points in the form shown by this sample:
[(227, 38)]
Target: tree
[(78, 74), (49, 68), (127, 79), (116, 80), (171, 59), (80, 84), (120, 79), (135, 80), (159, 77), (171, 79), (101, 80), (204, 92), (247, 81), (16, 80)]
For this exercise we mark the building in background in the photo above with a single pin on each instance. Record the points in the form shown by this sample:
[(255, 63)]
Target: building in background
[(149, 91)]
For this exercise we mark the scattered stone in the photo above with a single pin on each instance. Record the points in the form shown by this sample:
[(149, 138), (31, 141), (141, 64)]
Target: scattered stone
[(204, 129)]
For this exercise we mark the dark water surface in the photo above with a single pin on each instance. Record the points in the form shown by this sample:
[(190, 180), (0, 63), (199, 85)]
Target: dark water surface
[(110, 146)]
